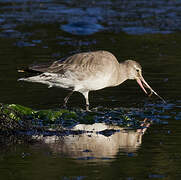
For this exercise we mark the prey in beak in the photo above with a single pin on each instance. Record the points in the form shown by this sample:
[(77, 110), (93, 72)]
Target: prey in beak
[(143, 84)]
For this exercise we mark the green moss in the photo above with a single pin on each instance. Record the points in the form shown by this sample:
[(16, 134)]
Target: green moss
[(65, 118), (50, 115), (21, 109)]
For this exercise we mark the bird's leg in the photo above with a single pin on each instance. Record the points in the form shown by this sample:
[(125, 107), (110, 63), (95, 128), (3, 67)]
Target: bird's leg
[(86, 95), (67, 98), (87, 107)]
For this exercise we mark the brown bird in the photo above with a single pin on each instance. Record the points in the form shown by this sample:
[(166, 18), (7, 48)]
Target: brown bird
[(89, 71)]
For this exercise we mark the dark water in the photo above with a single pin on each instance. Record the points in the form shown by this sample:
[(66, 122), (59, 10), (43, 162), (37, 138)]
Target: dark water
[(147, 31)]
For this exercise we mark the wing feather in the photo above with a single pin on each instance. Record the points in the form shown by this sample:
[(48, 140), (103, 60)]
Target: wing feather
[(82, 65)]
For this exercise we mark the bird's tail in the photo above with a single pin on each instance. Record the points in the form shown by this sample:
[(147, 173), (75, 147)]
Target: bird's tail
[(49, 79), (29, 79)]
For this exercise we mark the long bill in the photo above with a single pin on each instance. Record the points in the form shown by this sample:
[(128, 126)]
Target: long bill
[(143, 84)]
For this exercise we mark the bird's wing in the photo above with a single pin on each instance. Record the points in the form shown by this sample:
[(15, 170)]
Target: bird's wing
[(90, 62), (82, 65), (45, 67), (40, 67)]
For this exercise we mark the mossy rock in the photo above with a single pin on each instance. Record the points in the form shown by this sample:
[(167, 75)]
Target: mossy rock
[(24, 117)]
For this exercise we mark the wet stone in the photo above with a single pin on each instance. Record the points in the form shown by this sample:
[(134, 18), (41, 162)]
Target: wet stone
[(81, 28)]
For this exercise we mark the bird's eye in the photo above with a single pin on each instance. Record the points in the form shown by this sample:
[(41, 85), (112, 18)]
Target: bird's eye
[(137, 70)]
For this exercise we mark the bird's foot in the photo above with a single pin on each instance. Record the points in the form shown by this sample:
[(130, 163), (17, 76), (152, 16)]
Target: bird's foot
[(64, 106)]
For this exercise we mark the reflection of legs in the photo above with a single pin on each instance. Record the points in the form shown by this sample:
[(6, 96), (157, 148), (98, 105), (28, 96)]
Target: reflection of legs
[(67, 98), (86, 94)]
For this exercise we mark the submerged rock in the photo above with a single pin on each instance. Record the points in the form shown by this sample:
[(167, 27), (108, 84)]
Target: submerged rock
[(81, 28), (16, 117)]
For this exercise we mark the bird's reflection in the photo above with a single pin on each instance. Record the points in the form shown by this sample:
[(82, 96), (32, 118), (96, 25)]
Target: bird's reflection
[(98, 141)]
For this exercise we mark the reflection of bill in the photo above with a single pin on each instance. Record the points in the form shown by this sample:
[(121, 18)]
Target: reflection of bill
[(98, 141)]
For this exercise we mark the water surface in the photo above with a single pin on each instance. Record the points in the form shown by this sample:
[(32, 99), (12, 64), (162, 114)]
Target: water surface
[(149, 32)]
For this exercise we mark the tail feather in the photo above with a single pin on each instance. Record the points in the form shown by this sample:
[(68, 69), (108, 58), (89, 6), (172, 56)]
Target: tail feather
[(40, 67), (21, 79), (50, 79)]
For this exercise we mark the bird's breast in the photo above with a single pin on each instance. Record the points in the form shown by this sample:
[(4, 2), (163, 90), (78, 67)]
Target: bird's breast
[(97, 81)]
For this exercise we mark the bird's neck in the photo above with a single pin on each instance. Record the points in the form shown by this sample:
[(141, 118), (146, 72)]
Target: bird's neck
[(123, 73)]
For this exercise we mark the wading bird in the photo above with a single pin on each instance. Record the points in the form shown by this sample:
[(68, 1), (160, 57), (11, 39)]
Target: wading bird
[(89, 71)]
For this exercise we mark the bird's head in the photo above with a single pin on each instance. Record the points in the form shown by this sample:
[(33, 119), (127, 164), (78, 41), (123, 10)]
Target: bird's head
[(134, 71)]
